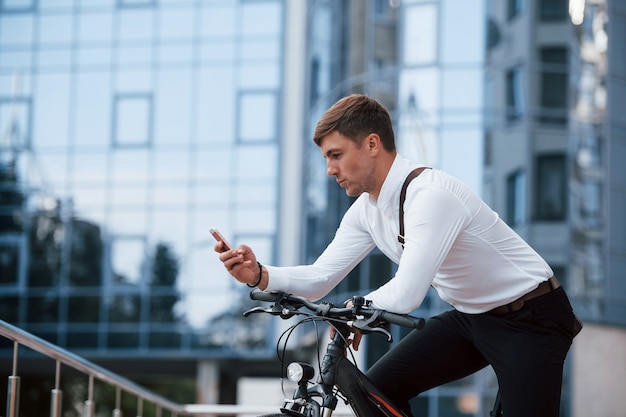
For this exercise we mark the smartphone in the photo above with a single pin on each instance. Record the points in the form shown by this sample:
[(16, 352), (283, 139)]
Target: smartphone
[(218, 236)]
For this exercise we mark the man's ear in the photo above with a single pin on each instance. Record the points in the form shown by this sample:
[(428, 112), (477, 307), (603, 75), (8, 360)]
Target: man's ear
[(373, 142)]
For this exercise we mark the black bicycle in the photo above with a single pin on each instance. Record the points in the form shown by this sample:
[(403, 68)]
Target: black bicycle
[(338, 377)]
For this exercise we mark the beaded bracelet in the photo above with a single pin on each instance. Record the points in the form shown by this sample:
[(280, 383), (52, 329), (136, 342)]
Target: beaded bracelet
[(258, 281)]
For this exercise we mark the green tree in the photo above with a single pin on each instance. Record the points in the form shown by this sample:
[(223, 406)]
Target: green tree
[(11, 201), (164, 294), (86, 254), (45, 250)]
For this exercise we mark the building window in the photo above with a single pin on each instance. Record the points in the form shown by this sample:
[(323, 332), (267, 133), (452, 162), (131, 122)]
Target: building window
[(550, 188), (554, 80), (516, 198), (420, 22), (15, 119), (590, 203), (10, 307), (128, 259), (9, 263), (514, 94), (132, 120), (553, 10), (17, 6), (136, 3), (257, 116), (514, 8), (487, 148), (315, 85)]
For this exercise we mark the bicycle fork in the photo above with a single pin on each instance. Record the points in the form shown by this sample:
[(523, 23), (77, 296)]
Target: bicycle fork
[(303, 402)]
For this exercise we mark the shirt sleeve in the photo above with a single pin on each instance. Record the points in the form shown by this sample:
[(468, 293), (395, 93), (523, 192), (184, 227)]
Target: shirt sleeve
[(434, 217), (352, 242)]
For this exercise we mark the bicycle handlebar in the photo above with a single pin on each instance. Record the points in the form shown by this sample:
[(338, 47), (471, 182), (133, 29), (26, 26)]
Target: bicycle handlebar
[(330, 311)]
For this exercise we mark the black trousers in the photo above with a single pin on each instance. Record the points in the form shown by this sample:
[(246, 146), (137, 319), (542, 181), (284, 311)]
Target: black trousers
[(526, 349)]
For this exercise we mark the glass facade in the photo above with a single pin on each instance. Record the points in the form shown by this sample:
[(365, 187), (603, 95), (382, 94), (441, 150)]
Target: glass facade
[(129, 128)]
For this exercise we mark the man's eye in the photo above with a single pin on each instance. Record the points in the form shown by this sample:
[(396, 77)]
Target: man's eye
[(336, 155)]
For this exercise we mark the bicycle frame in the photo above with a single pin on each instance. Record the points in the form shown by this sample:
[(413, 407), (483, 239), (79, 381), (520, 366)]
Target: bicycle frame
[(337, 371)]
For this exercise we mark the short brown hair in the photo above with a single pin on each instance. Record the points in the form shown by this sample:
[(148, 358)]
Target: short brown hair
[(355, 117)]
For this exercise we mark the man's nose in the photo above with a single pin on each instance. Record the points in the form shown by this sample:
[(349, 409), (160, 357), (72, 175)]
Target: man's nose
[(331, 170)]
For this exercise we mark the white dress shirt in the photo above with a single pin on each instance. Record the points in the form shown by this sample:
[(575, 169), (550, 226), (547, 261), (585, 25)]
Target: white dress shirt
[(453, 241)]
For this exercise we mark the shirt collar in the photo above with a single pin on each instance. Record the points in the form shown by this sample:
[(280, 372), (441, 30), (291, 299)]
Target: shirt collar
[(390, 191)]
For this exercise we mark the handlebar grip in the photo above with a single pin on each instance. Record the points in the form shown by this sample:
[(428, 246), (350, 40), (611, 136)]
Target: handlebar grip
[(404, 320), (259, 295)]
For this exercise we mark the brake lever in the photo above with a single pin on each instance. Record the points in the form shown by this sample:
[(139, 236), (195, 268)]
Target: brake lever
[(365, 325), (284, 312), (259, 310)]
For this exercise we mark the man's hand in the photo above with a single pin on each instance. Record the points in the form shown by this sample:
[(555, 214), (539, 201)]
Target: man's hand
[(355, 340), (240, 263)]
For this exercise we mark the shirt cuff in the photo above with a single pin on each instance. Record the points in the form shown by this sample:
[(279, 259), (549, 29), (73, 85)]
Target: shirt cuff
[(277, 279)]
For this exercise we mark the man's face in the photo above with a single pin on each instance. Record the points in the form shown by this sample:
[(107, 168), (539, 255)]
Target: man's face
[(353, 167)]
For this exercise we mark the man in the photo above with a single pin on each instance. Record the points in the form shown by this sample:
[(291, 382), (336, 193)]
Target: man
[(509, 311)]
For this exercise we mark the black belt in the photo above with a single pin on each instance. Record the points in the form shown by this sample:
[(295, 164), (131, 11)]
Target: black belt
[(542, 289)]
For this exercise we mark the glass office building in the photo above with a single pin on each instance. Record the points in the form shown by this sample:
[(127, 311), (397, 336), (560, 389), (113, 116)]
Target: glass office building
[(129, 128)]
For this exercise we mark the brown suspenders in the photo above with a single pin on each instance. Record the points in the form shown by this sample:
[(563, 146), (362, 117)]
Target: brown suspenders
[(412, 175)]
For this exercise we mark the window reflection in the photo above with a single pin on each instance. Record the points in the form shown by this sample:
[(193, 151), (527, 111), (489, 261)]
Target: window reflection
[(514, 94), (92, 113), (260, 76), (9, 260), (421, 23), (82, 338), (257, 117), (129, 197), (553, 10), (55, 29), (136, 25), (42, 309), (83, 309), (550, 194), (257, 162), (256, 193), (554, 84), (50, 126), (514, 8), (132, 119), (261, 18), (131, 55), (15, 121), (17, 5), (176, 23), (127, 257), (16, 30), (170, 165), (94, 27), (219, 21), (516, 198), (135, 3)]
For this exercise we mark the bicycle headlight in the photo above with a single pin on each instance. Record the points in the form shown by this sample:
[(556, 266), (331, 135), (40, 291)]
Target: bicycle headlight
[(297, 371)]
